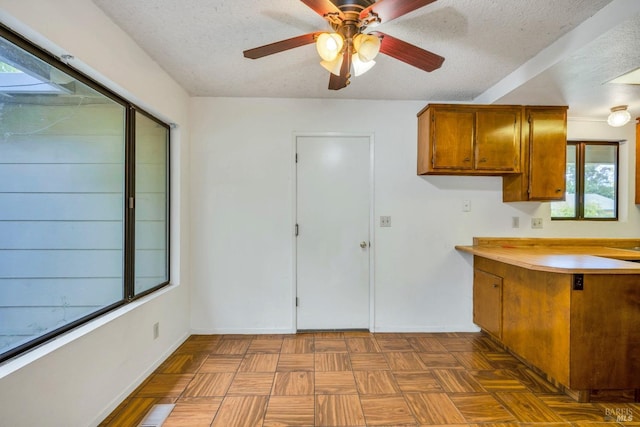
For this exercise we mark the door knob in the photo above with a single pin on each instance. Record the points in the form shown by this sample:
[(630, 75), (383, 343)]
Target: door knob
[(363, 245)]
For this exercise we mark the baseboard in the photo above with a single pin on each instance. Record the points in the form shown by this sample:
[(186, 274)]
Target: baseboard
[(137, 381), (426, 329), (381, 329), (241, 331)]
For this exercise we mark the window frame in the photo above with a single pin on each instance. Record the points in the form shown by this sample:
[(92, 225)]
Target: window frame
[(128, 284), (129, 288), (580, 184)]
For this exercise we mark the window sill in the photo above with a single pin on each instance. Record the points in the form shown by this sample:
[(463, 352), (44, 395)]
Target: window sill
[(12, 365)]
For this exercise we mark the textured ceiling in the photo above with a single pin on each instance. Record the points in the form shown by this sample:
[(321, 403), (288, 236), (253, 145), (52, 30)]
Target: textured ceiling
[(581, 79), (200, 44)]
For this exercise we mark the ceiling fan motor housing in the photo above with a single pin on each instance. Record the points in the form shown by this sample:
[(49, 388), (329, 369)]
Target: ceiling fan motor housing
[(359, 5)]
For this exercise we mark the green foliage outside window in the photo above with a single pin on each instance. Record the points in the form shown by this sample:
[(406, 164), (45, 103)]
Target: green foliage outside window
[(591, 182)]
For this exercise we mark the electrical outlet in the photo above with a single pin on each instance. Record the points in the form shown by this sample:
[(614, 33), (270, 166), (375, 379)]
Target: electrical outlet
[(515, 222), (536, 222), (466, 206), (156, 330), (385, 221)]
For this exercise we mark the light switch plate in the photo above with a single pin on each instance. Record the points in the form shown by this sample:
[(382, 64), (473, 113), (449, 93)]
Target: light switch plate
[(385, 221)]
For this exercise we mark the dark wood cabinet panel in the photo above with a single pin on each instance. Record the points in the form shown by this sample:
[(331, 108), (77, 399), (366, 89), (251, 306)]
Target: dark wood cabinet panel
[(605, 338)]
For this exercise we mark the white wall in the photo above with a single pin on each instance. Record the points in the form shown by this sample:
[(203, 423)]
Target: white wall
[(79, 378), (241, 172)]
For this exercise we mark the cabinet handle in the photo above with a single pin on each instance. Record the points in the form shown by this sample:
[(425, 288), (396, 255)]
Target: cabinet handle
[(483, 160), (466, 159), (558, 190), (495, 285)]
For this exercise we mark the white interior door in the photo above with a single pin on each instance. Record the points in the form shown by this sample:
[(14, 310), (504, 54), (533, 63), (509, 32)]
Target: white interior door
[(333, 217)]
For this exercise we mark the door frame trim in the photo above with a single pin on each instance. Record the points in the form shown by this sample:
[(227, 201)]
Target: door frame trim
[(294, 217)]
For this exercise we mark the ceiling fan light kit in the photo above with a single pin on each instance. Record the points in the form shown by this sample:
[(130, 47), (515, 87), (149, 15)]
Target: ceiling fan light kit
[(364, 48), (329, 45), (359, 66), (334, 66), (349, 46)]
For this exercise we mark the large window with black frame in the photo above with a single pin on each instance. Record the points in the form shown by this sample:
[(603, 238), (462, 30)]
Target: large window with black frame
[(84, 198)]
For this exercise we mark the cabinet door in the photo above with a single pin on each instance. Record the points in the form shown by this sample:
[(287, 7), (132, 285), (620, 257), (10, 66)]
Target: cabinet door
[(452, 137), (498, 140), (543, 158), (487, 302), (547, 153)]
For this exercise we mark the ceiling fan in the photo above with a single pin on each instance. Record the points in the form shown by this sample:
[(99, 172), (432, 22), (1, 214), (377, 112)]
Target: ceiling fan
[(349, 46)]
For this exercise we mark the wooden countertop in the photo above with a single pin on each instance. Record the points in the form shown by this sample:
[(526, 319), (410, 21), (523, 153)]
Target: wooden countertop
[(557, 258)]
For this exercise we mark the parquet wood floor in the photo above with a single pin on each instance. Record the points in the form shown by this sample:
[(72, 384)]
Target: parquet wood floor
[(344, 379)]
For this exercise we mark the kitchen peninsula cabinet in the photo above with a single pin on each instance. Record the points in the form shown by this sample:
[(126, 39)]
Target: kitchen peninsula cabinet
[(568, 314), (457, 139), (544, 154)]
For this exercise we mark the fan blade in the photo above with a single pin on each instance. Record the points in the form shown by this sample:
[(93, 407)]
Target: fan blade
[(342, 81), (391, 9), (323, 7), (282, 45), (412, 55)]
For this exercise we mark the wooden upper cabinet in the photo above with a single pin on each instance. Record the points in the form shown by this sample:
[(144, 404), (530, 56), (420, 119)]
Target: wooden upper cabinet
[(455, 139), (544, 149), (527, 145)]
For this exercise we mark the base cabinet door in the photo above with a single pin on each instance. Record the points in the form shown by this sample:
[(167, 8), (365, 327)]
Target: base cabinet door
[(487, 302)]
